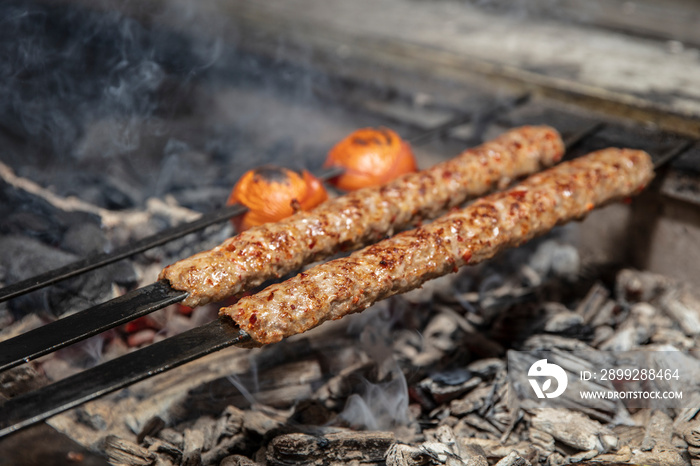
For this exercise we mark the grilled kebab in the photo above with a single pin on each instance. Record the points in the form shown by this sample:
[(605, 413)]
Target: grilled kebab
[(468, 236), (361, 217)]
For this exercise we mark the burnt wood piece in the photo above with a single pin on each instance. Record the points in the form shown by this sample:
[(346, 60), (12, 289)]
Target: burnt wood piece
[(575, 429), (364, 447), (120, 451)]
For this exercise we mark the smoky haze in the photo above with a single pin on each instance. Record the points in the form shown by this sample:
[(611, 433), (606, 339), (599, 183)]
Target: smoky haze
[(114, 107), (62, 68)]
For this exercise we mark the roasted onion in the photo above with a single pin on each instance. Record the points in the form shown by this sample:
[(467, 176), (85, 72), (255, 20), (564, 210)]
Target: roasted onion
[(370, 157), (273, 193)]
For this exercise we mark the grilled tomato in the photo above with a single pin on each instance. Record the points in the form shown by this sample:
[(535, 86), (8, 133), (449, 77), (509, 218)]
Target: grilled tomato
[(273, 193), (370, 157)]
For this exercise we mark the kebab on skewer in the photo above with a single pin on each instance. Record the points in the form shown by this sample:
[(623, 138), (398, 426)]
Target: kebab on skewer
[(468, 236), (361, 217), (532, 208)]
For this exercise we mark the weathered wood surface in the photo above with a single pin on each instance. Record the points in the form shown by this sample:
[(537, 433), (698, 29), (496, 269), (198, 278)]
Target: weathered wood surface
[(646, 79), (454, 41), (342, 447)]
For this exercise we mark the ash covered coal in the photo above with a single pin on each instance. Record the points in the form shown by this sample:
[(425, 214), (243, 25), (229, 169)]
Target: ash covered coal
[(37, 236), (33, 216)]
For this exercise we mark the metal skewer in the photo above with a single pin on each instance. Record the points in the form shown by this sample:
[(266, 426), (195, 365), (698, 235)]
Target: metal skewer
[(672, 153), (81, 325), (30, 408)]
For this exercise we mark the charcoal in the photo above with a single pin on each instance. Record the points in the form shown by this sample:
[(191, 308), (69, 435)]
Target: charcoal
[(83, 239), (25, 257), (33, 224), (163, 449), (623, 455), (541, 439), (30, 215), (606, 314), (575, 430), (238, 460), (151, 428), (487, 368), (591, 304), (446, 386), (683, 308), (121, 451), (122, 273), (192, 450), (553, 258), (115, 194), (24, 213), (637, 286), (692, 434), (564, 322), (453, 377), (365, 447), (171, 436), (513, 459), (658, 433), (20, 380), (262, 421), (473, 401), (202, 198), (583, 456), (311, 412)]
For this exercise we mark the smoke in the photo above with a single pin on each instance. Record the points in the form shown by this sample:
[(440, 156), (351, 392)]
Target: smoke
[(58, 72), (380, 406), (63, 67), (240, 386), (383, 405)]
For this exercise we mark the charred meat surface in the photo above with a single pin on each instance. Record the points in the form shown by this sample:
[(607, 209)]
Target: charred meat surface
[(468, 236), (361, 217)]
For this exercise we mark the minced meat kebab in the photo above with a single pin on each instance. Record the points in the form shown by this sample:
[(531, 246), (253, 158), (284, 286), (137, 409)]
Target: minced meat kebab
[(468, 236), (361, 217)]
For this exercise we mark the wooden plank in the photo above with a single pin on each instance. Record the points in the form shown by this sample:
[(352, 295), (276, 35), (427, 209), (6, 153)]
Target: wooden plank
[(608, 72), (453, 44)]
